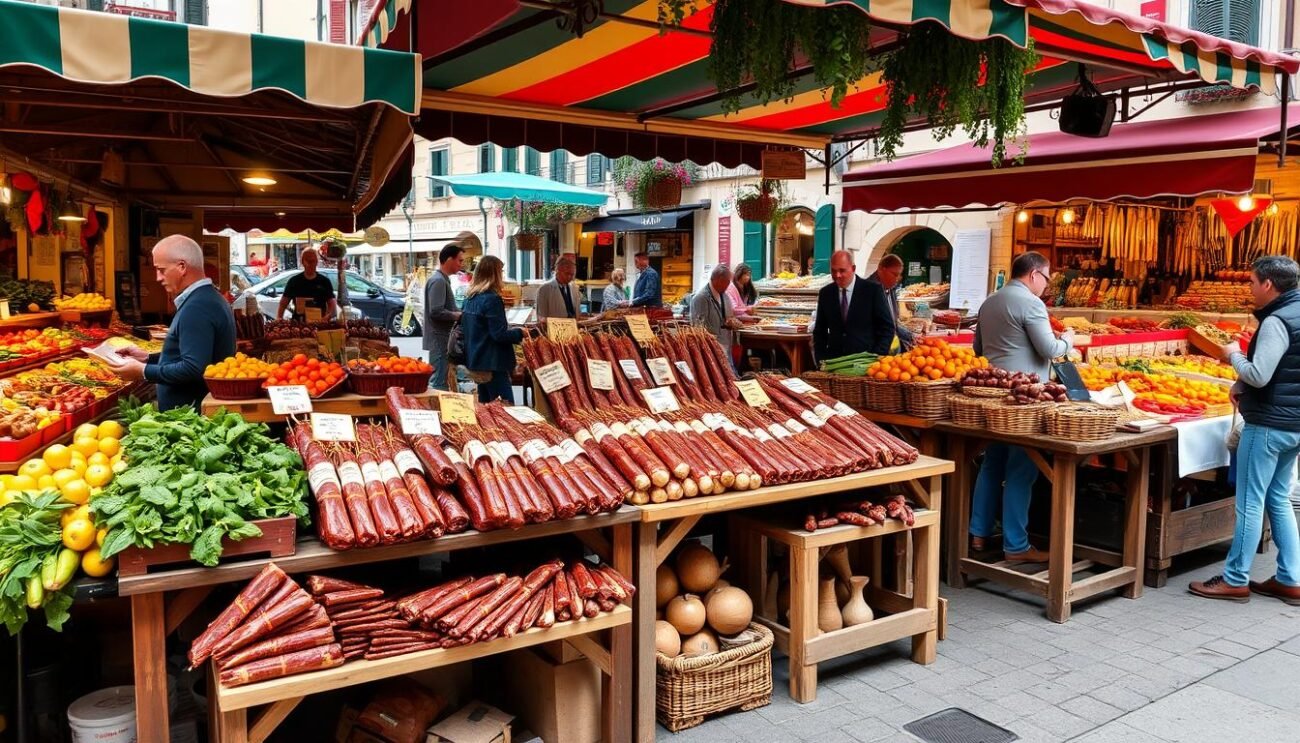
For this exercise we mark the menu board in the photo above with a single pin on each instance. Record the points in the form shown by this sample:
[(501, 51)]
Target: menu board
[(970, 269)]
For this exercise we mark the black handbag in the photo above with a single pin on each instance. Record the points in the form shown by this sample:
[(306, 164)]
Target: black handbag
[(456, 344)]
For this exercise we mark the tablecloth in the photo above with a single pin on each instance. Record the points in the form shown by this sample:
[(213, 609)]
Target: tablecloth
[(1202, 444)]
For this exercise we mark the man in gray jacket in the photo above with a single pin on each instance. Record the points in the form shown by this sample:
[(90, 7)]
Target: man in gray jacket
[(440, 311), (711, 308), (559, 297), (1015, 334)]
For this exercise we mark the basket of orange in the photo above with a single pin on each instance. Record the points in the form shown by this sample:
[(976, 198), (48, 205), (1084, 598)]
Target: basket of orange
[(375, 377), (237, 377), (321, 378), (930, 371)]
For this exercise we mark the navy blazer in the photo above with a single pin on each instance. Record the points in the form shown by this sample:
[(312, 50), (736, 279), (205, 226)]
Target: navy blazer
[(201, 333), (489, 339), (870, 324)]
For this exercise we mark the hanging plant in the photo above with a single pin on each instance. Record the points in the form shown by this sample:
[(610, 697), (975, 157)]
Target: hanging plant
[(656, 184), (761, 202), (536, 217)]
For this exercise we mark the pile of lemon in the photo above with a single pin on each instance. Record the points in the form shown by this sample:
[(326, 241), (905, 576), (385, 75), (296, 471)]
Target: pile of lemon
[(84, 302)]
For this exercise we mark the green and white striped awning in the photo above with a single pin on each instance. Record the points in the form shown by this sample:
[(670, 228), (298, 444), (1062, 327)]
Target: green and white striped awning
[(105, 48), (383, 21)]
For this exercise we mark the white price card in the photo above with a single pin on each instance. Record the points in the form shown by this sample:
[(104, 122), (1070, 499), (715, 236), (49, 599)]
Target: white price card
[(753, 393), (601, 374), (552, 377), (630, 369), (289, 399), (524, 414), (333, 427), (661, 400), (415, 422), (685, 369), (795, 384), (457, 408), (661, 370)]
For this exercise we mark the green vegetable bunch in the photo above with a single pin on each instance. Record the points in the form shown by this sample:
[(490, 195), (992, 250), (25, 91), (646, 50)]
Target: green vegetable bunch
[(194, 479), (30, 543)]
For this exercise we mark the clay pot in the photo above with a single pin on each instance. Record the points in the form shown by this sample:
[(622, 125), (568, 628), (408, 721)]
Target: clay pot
[(856, 610), (828, 610)]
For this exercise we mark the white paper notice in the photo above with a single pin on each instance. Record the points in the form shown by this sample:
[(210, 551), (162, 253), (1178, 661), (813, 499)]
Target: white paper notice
[(332, 427), (601, 374), (289, 399), (970, 269), (685, 369), (795, 384), (661, 400), (661, 370), (630, 369), (524, 415), (416, 422), (553, 377)]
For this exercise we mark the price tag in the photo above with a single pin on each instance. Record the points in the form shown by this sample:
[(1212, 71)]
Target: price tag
[(457, 408), (524, 415), (639, 325), (311, 314), (753, 393), (661, 370), (290, 399), (661, 400), (795, 384), (552, 377), (685, 369), (332, 341), (4, 309), (601, 374), (561, 329), (332, 427), (630, 369), (420, 421)]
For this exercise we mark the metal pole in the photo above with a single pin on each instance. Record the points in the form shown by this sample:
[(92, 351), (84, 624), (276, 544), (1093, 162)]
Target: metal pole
[(1286, 102), (483, 210)]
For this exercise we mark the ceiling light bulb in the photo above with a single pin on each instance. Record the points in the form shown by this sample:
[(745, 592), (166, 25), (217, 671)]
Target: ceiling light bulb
[(1022, 216), (6, 196), (259, 179), (1067, 216), (1246, 203), (1272, 209)]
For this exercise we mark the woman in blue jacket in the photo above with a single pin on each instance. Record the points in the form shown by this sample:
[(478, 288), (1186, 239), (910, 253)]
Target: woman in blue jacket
[(489, 339)]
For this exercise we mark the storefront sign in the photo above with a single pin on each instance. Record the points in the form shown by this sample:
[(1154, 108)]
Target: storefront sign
[(724, 240), (137, 12), (784, 165), (1156, 10)]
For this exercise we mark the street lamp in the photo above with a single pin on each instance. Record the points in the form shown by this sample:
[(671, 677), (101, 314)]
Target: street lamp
[(408, 208)]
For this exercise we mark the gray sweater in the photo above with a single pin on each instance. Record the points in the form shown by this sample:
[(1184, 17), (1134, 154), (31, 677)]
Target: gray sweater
[(1015, 333), (1271, 343), (439, 309)]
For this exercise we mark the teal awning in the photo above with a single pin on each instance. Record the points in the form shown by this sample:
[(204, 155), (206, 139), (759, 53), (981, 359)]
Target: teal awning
[(506, 186)]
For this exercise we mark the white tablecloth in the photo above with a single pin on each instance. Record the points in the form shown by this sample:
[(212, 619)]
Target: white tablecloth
[(1202, 444)]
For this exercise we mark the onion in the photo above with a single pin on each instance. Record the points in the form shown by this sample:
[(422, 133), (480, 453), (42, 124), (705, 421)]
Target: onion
[(721, 584), (702, 643), (697, 568), (729, 610), (667, 641), (686, 613), (665, 585)]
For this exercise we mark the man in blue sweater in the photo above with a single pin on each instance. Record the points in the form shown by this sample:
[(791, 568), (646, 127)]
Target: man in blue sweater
[(202, 331), (648, 292)]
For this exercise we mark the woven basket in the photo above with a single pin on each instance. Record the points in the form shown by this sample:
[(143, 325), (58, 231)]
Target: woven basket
[(1016, 420), (1081, 422), (665, 193), (818, 379), (928, 399), (235, 389), (375, 385), (968, 411), (687, 689), (885, 396), (528, 241), (852, 391), (989, 393), (756, 208)]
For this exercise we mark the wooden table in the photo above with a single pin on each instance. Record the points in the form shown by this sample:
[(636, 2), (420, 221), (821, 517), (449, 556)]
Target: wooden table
[(1058, 460), (664, 525), (259, 410), (919, 432), (798, 346), (161, 601)]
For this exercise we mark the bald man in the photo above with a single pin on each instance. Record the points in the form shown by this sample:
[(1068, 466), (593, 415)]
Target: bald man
[(852, 313), (202, 331)]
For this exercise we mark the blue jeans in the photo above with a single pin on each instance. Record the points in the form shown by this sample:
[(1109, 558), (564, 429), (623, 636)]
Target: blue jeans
[(498, 387), (438, 360), (1007, 475), (1266, 460)]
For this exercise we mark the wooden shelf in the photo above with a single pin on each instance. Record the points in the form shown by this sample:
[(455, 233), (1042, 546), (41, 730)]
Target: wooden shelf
[(841, 533), (259, 410), (363, 671), (30, 320)]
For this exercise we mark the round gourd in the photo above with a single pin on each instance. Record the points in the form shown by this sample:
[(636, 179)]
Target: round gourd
[(666, 587), (729, 610), (667, 641), (686, 613), (697, 568), (721, 584), (702, 643)]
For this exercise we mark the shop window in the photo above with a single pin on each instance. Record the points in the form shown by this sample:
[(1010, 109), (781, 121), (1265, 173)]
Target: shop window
[(510, 159), (532, 161), (438, 165), (597, 166), (560, 166), (1235, 20), (487, 158)]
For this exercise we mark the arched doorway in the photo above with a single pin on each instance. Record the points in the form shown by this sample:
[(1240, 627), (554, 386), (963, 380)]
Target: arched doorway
[(792, 242), (926, 254)]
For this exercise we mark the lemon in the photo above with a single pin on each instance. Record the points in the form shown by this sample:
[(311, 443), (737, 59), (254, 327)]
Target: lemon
[(7, 482), (7, 497), (99, 536), (63, 477), (76, 491), (98, 475), (111, 429), (94, 565), (46, 482), (24, 482), (86, 431), (57, 457), (72, 514), (79, 466), (87, 445), (34, 468), (98, 457), (79, 534), (109, 446)]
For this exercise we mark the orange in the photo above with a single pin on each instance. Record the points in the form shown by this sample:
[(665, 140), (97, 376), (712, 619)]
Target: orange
[(76, 491), (94, 565), (57, 457)]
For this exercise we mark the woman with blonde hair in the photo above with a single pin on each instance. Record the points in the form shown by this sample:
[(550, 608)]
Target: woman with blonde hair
[(489, 339), (614, 296)]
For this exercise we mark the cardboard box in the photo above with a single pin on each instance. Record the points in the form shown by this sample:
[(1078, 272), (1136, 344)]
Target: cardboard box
[(560, 702), (476, 722)]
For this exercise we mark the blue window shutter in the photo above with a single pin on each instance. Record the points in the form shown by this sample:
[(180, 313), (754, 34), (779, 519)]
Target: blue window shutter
[(510, 159), (487, 158), (560, 166), (754, 247), (823, 238), (1235, 20), (437, 166), (596, 167), (532, 161)]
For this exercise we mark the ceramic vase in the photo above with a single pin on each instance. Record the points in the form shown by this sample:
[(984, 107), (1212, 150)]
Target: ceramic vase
[(828, 609), (856, 610)]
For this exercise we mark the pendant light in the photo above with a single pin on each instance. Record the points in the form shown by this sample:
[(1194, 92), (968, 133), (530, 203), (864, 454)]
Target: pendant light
[(70, 211)]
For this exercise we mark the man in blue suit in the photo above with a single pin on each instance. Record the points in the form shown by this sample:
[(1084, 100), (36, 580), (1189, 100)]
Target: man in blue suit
[(648, 292)]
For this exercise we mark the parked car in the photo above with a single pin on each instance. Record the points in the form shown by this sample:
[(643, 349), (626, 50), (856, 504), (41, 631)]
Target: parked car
[(242, 277), (383, 307)]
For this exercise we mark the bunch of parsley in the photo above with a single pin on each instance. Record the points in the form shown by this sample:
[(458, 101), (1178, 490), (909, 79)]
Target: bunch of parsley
[(193, 479), (29, 535)]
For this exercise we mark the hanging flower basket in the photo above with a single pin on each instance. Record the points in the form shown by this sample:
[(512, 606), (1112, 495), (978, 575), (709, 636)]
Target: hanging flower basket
[(757, 208), (665, 193), (528, 241), (333, 249)]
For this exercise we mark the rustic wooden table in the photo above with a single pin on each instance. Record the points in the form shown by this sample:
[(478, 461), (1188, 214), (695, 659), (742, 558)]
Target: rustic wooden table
[(161, 601), (798, 346), (664, 525)]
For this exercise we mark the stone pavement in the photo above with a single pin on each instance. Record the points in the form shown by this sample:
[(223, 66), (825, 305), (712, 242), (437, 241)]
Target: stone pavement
[(1165, 667)]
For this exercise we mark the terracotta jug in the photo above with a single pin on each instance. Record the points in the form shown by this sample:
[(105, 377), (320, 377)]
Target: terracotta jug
[(828, 610), (857, 611), (837, 558)]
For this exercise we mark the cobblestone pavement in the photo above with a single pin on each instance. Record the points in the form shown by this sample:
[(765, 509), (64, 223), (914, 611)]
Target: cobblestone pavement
[(1168, 667)]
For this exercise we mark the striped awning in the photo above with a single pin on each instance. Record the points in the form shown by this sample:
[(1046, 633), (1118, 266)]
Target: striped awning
[(106, 48), (383, 19)]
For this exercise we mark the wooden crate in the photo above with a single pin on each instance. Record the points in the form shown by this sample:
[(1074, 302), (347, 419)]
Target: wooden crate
[(277, 540)]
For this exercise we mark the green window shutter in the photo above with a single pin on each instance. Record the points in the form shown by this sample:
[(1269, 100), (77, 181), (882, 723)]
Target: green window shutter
[(754, 247), (1235, 20), (487, 158), (597, 165), (823, 238), (532, 161), (437, 166), (196, 12), (560, 166), (510, 160)]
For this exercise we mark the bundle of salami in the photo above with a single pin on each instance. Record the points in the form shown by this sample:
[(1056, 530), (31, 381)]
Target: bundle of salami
[(861, 513)]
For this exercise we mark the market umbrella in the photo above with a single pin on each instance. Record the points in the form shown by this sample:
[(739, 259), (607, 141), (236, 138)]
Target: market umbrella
[(507, 186)]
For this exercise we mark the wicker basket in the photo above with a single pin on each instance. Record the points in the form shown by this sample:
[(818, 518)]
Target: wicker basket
[(528, 241), (968, 411), (820, 380), (665, 193), (885, 396), (687, 689), (375, 385), (236, 389), (928, 399), (756, 208), (988, 393), (1017, 420), (1082, 422), (852, 391)]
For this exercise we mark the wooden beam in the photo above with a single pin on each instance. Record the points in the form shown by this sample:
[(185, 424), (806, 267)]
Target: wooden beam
[(1040, 463), (100, 134), (270, 719), (1093, 585), (596, 543), (1005, 576), (594, 651), (184, 604), (669, 541)]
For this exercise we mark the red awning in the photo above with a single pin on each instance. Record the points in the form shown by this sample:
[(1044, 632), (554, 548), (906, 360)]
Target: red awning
[(1174, 157)]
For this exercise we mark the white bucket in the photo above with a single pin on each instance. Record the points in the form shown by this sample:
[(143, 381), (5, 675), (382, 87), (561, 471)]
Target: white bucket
[(104, 716)]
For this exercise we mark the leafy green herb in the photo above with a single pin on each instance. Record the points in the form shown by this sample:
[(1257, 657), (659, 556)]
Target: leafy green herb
[(30, 534)]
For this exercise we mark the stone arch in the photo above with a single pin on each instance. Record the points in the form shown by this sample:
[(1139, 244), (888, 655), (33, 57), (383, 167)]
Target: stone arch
[(890, 228)]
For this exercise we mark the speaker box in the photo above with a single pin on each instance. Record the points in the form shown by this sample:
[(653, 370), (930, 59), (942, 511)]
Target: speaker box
[(1087, 115)]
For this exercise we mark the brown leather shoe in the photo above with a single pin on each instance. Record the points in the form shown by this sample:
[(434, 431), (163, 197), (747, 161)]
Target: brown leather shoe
[(1029, 556), (1218, 588), (978, 544), (1270, 587)]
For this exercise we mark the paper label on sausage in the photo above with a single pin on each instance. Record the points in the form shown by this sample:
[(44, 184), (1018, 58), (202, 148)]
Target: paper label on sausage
[(474, 451), (370, 471), (508, 449), (824, 411), (845, 410), (552, 377), (699, 427), (600, 431), (712, 420), (571, 449), (795, 384), (812, 419), (322, 474), (533, 450), (600, 374), (494, 451), (778, 431), (795, 426), (681, 427), (661, 370), (664, 426), (453, 455), (388, 470), (629, 368), (639, 425), (350, 474), (406, 461), (620, 430), (582, 437), (685, 369), (760, 434), (523, 414)]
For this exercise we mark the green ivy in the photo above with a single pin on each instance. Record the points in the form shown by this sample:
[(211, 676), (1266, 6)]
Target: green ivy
[(772, 188), (637, 177), (540, 216)]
